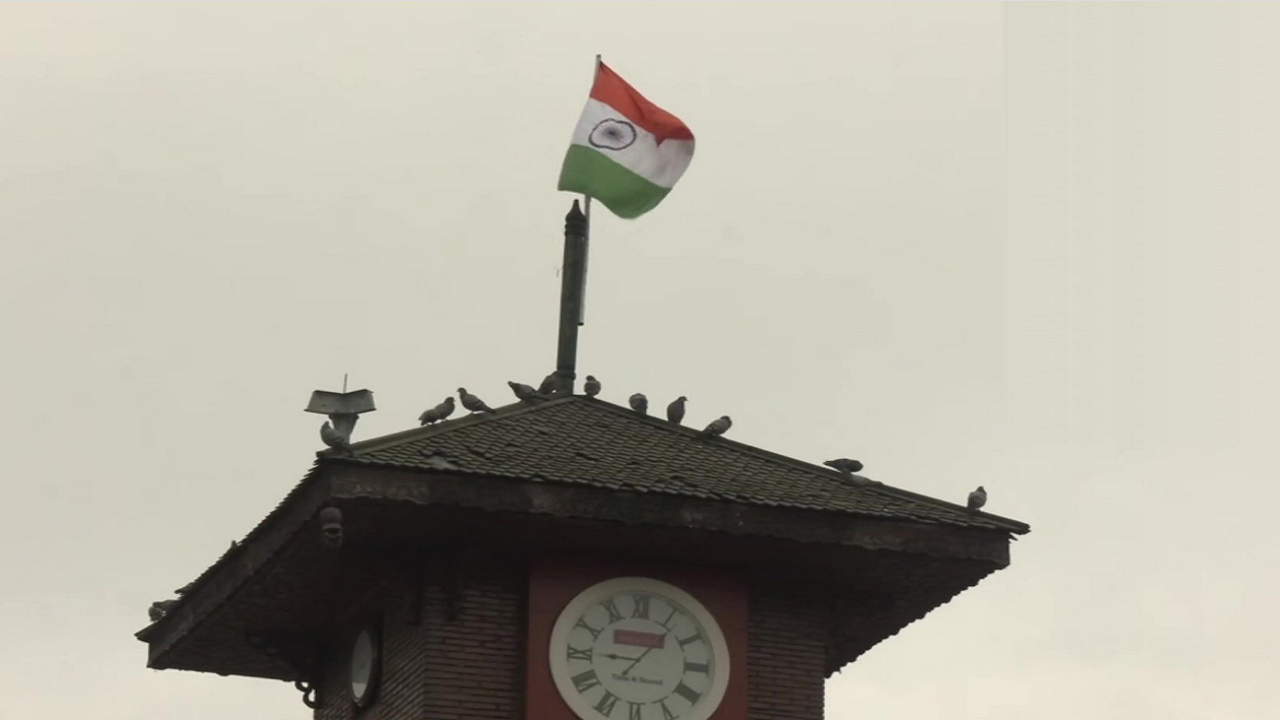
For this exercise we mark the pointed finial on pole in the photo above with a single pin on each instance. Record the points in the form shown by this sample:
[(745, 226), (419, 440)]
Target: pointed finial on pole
[(575, 223)]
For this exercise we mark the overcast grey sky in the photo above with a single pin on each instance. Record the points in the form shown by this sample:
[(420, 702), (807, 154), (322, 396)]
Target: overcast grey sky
[(1031, 246)]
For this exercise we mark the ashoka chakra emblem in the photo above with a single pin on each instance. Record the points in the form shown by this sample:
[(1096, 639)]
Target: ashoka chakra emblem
[(612, 134)]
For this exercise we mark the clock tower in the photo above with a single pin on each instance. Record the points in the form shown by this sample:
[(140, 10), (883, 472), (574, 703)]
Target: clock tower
[(568, 558)]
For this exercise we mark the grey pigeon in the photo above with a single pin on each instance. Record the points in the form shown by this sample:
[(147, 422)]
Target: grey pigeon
[(333, 438), (160, 608), (549, 384), (675, 411), (592, 386), (844, 465), (639, 403), (977, 498), (472, 403), (718, 427), (525, 392), (438, 413)]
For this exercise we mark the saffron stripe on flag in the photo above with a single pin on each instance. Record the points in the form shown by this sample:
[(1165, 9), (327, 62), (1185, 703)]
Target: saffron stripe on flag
[(618, 94)]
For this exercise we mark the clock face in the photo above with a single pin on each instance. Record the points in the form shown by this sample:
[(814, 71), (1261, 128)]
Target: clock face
[(638, 649)]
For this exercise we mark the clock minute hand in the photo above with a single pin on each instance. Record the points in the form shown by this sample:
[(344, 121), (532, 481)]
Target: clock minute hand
[(636, 661), (646, 652)]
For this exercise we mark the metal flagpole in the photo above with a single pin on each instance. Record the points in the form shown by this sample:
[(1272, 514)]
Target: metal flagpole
[(586, 240), (575, 231), (586, 251)]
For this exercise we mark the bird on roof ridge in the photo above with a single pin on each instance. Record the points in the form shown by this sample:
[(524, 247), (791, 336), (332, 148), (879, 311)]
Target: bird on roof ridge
[(550, 383), (718, 427), (334, 439), (437, 413), (639, 403), (526, 393), (977, 498), (845, 466), (472, 403), (592, 386), (848, 468), (675, 411), (160, 608)]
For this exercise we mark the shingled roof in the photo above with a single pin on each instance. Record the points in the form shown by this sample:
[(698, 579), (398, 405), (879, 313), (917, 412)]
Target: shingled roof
[(545, 476), (588, 442)]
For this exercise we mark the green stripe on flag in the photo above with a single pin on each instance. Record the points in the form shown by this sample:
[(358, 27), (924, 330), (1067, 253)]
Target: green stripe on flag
[(589, 172)]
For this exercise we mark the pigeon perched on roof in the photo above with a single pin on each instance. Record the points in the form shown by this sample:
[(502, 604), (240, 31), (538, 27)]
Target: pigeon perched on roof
[(333, 438), (844, 465), (525, 392), (977, 498), (675, 411), (472, 403), (639, 403), (718, 427), (160, 608), (437, 413), (549, 384), (592, 386)]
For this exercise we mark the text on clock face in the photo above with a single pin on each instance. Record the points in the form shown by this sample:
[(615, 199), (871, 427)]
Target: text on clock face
[(639, 656)]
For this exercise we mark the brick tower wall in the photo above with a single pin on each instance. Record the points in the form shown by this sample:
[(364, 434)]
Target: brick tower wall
[(470, 667), (787, 636), (473, 667)]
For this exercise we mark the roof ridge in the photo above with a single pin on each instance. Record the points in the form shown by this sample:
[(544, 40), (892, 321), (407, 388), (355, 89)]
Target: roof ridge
[(364, 450), (514, 409), (796, 463)]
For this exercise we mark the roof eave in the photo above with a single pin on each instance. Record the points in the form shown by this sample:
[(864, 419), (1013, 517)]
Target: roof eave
[(216, 585), (353, 480)]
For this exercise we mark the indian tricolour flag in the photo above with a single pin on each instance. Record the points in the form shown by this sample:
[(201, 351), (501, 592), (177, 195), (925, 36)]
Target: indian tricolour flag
[(626, 152)]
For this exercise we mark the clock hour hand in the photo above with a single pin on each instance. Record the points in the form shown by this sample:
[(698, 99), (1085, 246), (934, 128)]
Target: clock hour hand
[(615, 656)]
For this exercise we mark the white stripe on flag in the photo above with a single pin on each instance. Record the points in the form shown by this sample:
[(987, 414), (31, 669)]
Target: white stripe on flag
[(659, 164)]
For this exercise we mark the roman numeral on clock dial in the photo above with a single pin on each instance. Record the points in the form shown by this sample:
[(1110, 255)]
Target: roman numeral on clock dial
[(584, 681), (582, 623), (667, 623), (687, 692), (605, 706), (689, 667), (641, 609), (576, 654), (696, 637), (614, 613)]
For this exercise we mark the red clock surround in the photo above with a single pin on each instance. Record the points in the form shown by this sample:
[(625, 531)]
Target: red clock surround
[(553, 582)]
